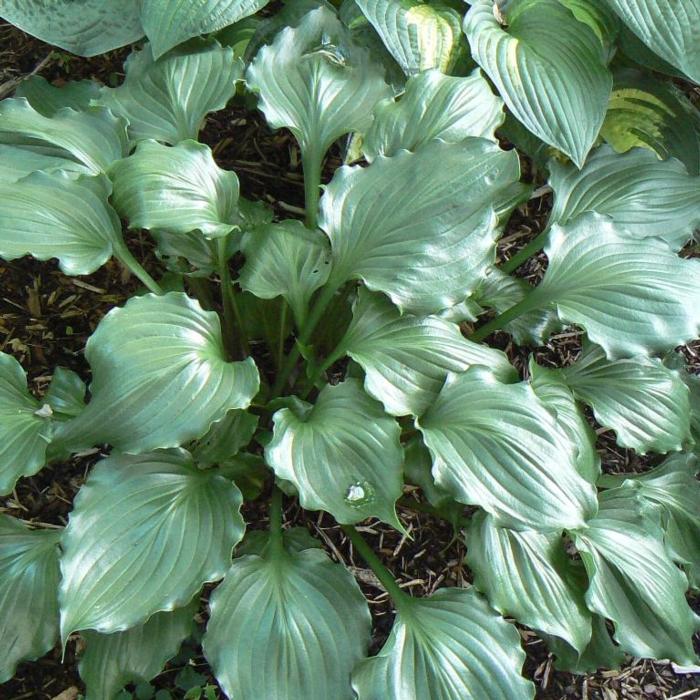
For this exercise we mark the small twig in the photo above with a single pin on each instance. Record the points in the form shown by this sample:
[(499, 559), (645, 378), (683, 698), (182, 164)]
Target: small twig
[(7, 87)]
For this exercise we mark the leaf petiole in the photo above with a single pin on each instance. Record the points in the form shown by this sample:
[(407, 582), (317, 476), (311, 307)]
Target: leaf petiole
[(126, 258), (532, 248), (530, 303), (233, 323)]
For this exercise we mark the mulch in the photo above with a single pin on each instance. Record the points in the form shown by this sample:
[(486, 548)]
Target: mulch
[(46, 318)]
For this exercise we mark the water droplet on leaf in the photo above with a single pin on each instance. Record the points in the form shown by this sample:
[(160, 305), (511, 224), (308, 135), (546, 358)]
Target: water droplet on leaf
[(359, 493)]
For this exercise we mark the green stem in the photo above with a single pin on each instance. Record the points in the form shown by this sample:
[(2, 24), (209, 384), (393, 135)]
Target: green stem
[(276, 541), (283, 324), (401, 599), (312, 320), (529, 303), (312, 163), (123, 254), (233, 323), (318, 371), (533, 247)]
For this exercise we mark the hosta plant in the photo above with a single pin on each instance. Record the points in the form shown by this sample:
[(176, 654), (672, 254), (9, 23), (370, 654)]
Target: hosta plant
[(336, 359)]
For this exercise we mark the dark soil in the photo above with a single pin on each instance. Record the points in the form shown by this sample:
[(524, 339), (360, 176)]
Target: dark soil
[(46, 318)]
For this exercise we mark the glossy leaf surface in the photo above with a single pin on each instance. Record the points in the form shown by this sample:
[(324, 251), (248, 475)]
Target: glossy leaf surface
[(145, 534), (29, 578), (549, 69), (633, 296), (289, 626), (407, 358), (178, 188), (24, 435), (342, 454), (423, 236), (449, 645), (434, 106), (498, 446), (160, 376), (167, 99)]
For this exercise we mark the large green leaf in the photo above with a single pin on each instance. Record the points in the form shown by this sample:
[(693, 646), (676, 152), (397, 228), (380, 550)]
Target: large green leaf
[(450, 645), (634, 582), (94, 138), (642, 400), (674, 492), (550, 387), (434, 106), (648, 113), (500, 447), (28, 586), (633, 296), (170, 23), (110, 661), (419, 36), (286, 259), (641, 193), (60, 215), (527, 575), (24, 433), (84, 27), (17, 162), (160, 377), (225, 438), (178, 188), (167, 99), (66, 394), (421, 234), (290, 625), (549, 69), (48, 99), (343, 454), (407, 358), (316, 82), (668, 28), (144, 535), (500, 291)]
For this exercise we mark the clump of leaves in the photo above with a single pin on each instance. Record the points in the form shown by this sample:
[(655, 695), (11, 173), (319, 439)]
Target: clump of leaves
[(205, 404)]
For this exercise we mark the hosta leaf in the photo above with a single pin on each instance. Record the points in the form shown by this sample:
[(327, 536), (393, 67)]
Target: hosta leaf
[(643, 401), (635, 49), (28, 585), (342, 454), (66, 393), (17, 162), (178, 188), (526, 575), (418, 467), (407, 358), (633, 296), (110, 661), (641, 193), (500, 291), (434, 106), (62, 216), (450, 645), (170, 23), (599, 17), (160, 377), (550, 387), (167, 99), (24, 435), (417, 35), (421, 234), (601, 651), (86, 27), (144, 535), (225, 438), (316, 82), (292, 626), (666, 28), (94, 138), (648, 113), (47, 99), (549, 69), (633, 581), (675, 492), (498, 446), (286, 259)]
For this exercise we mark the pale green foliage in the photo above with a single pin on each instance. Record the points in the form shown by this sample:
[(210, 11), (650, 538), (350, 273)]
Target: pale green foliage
[(346, 361)]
